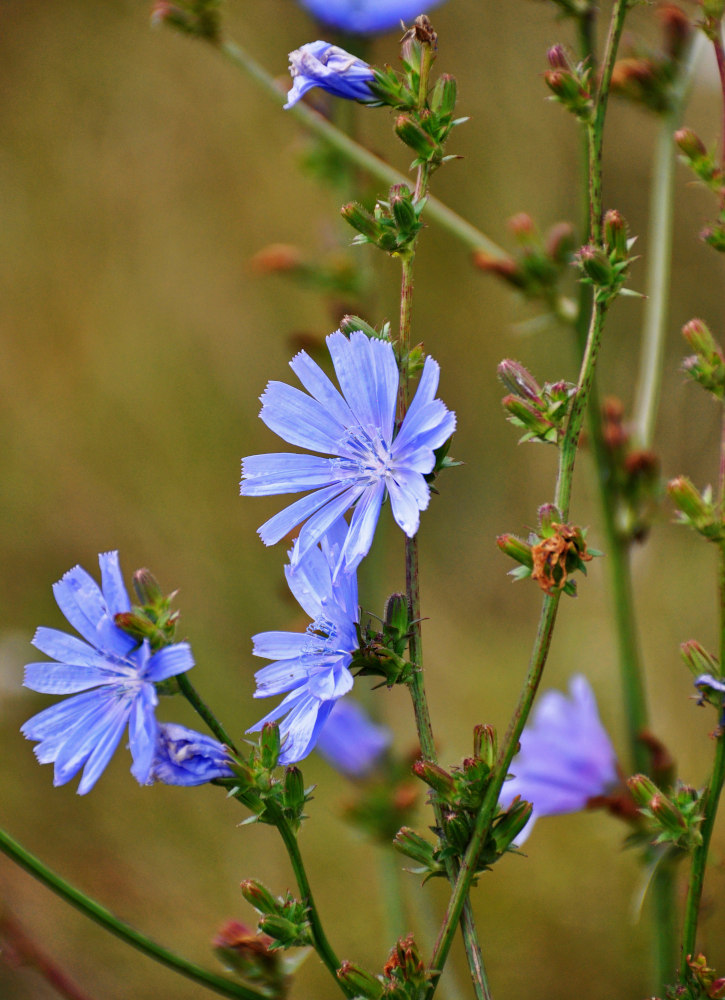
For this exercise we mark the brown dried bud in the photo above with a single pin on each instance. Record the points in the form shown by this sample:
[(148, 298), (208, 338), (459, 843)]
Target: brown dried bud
[(555, 557)]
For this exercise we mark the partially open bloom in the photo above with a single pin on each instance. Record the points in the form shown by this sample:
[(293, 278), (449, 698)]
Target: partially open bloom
[(357, 428), (566, 757), (365, 17), (311, 665), (116, 673), (350, 741), (320, 64), (185, 757)]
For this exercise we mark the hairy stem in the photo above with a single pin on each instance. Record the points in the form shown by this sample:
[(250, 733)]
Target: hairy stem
[(217, 984)]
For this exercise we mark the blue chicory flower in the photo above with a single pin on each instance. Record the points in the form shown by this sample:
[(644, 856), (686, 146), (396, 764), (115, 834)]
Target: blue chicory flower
[(313, 665), (115, 672), (566, 757), (320, 64), (367, 17), (185, 757), (357, 428), (350, 741)]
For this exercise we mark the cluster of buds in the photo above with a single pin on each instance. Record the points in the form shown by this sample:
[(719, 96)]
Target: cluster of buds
[(460, 793), (283, 919), (252, 957), (152, 618), (673, 819), (380, 652), (199, 18), (707, 365), (335, 274), (551, 556), (633, 475), (270, 799), (539, 265), (424, 129), (703, 981), (404, 977), (645, 75), (697, 510), (605, 267), (570, 83), (540, 410), (392, 225), (704, 165)]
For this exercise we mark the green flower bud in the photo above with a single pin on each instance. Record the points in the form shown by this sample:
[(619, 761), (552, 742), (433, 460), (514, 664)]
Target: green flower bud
[(643, 789), (415, 847), (269, 745), (512, 546), (415, 136), (485, 744), (698, 660), (259, 896), (519, 381), (360, 219), (443, 97), (286, 932), (401, 205), (362, 983), (436, 778), (294, 790)]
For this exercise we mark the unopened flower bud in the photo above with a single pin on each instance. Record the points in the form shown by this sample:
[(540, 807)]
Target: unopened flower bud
[(396, 622), (699, 661), (687, 500), (436, 778), (147, 588), (401, 205), (415, 847), (615, 234), (259, 896), (510, 826), (700, 339), (557, 57), (643, 789), (528, 415), (415, 136), (504, 267), (287, 932), (485, 744), (519, 380), (361, 983), (690, 143), (360, 219), (596, 265), (269, 745), (294, 790), (443, 97), (667, 813), (549, 516), (514, 547)]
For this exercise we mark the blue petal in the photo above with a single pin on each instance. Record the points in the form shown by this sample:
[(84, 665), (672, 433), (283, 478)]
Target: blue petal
[(284, 675), (366, 17), (317, 526), (350, 742), (67, 648), (143, 732), (101, 754), (112, 585), (285, 472), (362, 528), (409, 494), (289, 518), (169, 661), (279, 645), (300, 730), (319, 385), (62, 678), (299, 419)]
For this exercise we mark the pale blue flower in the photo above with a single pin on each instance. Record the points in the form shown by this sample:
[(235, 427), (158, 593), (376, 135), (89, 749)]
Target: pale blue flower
[(185, 757), (350, 741), (313, 665), (320, 64), (367, 17), (357, 428), (115, 672), (566, 757)]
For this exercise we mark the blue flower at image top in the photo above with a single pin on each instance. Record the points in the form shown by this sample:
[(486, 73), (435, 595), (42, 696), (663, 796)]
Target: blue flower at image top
[(185, 757), (350, 741), (357, 428), (312, 665), (115, 672), (566, 756), (320, 64), (367, 17)]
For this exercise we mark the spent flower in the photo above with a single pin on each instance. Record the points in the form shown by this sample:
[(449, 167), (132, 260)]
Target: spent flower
[(185, 757), (313, 666), (356, 427), (320, 64), (114, 671), (566, 757)]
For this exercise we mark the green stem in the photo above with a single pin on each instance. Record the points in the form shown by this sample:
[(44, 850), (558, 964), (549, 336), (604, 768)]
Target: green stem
[(322, 945), (711, 795), (391, 891), (471, 237), (192, 696), (218, 984), (659, 242)]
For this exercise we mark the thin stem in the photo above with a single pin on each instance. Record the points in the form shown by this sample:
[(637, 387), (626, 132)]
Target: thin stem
[(192, 696), (471, 237), (711, 795), (322, 945), (218, 984), (659, 242), (391, 890)]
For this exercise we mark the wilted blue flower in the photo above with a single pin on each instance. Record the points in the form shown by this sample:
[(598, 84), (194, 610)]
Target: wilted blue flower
[(365, 17), (83, 731), (311, 665), (320, 64), (185, 757), (356, 427), (566, 757), (350, 742)]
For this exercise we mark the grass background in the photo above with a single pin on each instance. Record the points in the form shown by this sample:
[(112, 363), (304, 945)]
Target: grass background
[(139, 175)]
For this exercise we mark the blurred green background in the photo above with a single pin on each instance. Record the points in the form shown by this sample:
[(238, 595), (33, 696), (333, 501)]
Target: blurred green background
[(139, 174)]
